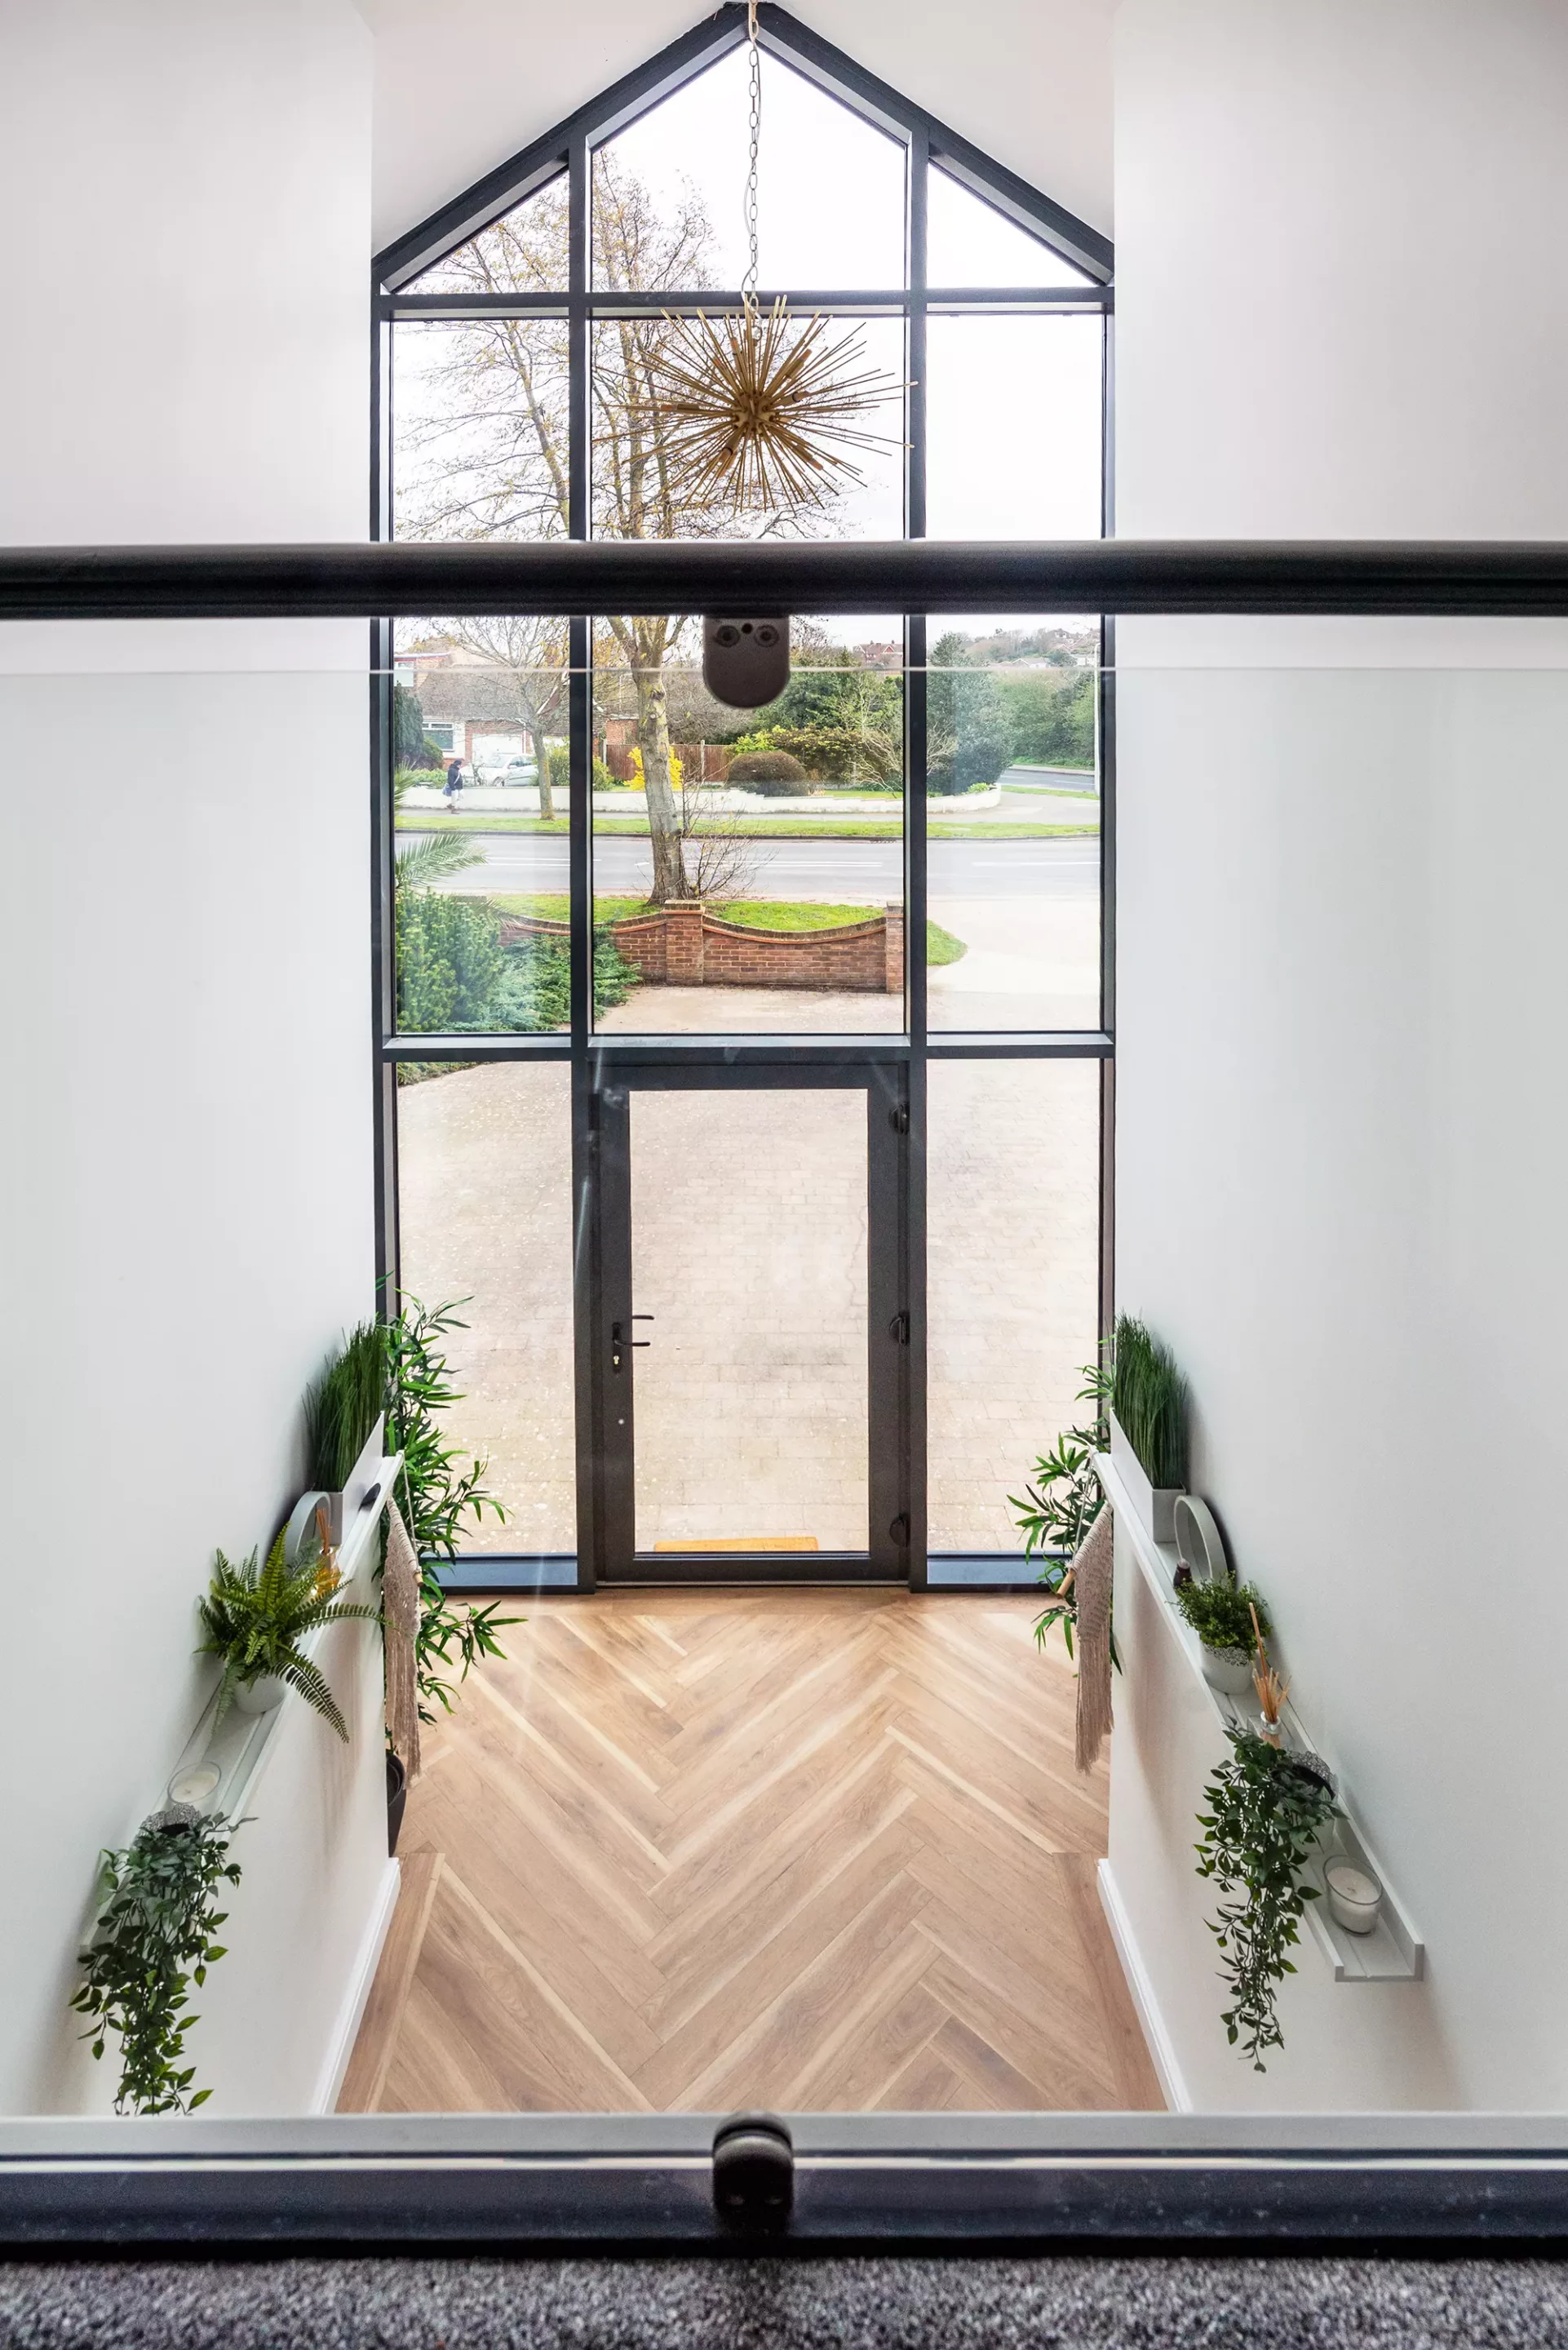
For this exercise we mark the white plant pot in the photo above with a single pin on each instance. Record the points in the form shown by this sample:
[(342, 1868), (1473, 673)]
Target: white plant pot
[(1154, 1504), (343, 1508), (261, 1696), (1230, 1670)]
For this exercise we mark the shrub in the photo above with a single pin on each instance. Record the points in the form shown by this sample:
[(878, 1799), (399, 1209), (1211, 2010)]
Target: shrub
[(449, 961), (434, 756), (408, 728), (773, 774), (561, 770), (1220, 1612)]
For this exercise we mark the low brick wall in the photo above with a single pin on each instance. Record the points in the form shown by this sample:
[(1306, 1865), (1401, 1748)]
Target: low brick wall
[(686, 946)]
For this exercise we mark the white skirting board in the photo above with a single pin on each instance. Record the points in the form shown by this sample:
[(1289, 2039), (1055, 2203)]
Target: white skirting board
[(1177, 2096), (377, 1927)]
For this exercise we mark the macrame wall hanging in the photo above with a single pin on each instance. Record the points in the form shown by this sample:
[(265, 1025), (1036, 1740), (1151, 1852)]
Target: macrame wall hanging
[(759, 411)]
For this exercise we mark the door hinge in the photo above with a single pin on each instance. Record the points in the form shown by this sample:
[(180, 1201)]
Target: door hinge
[(899, 1118), (899, 1328), (899, 1532)]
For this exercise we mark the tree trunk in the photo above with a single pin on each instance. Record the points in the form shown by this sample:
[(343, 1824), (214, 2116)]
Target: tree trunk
[(669, 881), (531, 719)]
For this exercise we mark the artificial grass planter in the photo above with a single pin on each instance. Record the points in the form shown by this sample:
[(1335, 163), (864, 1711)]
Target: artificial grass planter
[(1147, 1399)]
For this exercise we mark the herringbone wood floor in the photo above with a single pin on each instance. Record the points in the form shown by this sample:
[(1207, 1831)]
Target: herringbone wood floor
[(805, 1850)]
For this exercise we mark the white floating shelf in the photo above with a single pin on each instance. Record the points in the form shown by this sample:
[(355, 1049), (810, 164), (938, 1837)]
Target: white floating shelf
[(1393, 1951), (240, 1747)]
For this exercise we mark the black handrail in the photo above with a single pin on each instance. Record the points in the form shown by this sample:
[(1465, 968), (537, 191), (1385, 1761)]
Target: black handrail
[(1118, 575)]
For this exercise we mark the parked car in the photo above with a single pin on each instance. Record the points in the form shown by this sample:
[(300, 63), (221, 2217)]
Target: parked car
[(513, 771)]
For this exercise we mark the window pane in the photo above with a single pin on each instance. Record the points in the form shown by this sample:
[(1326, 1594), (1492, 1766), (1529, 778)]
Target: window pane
[(670, 189), (636, 497), (1013, 1252), (479, 430), (748, 865), (970, 243), (1012, 817), (1013, 424), (748, 1228), (485, 1203), (526, 250), (482, 940)]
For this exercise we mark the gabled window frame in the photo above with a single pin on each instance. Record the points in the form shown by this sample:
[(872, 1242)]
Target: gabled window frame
[(567, 152)]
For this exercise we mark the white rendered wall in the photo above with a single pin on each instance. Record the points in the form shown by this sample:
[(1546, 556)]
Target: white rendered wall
[(1028, 80), (1342, 968), (187, 1180)]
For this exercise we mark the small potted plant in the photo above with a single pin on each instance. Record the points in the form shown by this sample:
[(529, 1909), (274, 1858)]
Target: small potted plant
[(1147, 1425), (1221, 1612), (257, 1617)]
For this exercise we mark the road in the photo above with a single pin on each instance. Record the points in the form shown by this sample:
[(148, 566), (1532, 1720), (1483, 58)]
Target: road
[(850, 872)]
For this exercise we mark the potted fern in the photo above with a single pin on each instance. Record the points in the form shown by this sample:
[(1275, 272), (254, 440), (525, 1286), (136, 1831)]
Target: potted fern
[(257, 1618), (1147, 1425)]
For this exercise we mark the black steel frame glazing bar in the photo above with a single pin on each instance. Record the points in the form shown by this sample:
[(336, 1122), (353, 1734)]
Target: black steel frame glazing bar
[(1463, 577), (848, 301), (545, 157)]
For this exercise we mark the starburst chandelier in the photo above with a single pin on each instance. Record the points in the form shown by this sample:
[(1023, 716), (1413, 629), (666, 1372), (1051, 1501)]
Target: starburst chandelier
[(760, 410)]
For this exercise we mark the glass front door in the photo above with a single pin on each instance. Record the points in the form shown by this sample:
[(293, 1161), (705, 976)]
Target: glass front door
[(754, 1325)]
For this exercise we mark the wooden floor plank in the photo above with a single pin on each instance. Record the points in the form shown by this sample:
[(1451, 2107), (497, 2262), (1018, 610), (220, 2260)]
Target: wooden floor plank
[(711, 1848), (372, 2053)]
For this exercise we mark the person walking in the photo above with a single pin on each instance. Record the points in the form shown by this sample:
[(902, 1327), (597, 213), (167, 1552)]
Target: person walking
[(453, 784)]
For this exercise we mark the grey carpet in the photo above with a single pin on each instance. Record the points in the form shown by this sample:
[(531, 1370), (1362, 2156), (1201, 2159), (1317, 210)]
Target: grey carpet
[(1034, 2304)]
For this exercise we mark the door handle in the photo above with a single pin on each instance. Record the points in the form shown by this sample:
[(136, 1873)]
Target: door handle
[(619, 1342)]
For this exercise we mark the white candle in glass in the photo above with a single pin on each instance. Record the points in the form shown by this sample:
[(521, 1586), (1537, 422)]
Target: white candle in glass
[(1353, 1896)]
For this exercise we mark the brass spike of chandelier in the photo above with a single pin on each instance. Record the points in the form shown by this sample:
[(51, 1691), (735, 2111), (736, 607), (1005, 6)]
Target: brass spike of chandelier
[(758, 410)]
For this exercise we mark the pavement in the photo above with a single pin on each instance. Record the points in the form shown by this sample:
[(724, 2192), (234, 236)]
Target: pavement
[(749, 1249)]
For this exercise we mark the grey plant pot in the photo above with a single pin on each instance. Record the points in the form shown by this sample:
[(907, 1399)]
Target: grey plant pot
[(261, 1695), (1154, 1504), (1230, 1670)]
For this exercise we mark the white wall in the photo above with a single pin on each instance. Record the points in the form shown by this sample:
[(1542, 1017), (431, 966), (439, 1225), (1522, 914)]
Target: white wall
[(1342, 972), (461, 85), (187, 1186)]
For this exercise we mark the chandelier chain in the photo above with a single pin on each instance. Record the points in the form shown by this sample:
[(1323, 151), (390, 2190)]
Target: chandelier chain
[(748, 283)]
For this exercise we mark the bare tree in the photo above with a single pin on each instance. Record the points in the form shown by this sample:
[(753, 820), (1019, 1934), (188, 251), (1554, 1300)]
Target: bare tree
[(481, 450)]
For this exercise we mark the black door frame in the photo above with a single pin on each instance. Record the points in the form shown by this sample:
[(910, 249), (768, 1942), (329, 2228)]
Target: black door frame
[(604, 1084)]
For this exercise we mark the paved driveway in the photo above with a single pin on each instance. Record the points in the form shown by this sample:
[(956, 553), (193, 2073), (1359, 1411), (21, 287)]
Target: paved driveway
[(749, 1247)]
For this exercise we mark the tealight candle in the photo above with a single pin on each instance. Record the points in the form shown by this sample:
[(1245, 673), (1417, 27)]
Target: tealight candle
[(195, 1785), (1353, 1896)]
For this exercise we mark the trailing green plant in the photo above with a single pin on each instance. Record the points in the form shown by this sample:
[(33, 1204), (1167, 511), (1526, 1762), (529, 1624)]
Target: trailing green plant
[(154, 1936), (342, 1408), (258, 1617), (1060, 1504), (1266, 1811), (1221, 1612), (1147, 1397), (440, 1486)]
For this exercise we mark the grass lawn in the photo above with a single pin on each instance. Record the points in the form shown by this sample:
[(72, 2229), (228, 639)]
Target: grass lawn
[(750, 914), (753, 827)]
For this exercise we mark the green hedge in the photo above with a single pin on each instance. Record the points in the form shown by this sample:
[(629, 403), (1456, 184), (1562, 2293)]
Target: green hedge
[(455, 977)]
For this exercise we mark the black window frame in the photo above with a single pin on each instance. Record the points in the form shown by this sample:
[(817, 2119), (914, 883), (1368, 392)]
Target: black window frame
[(599, 1062)]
